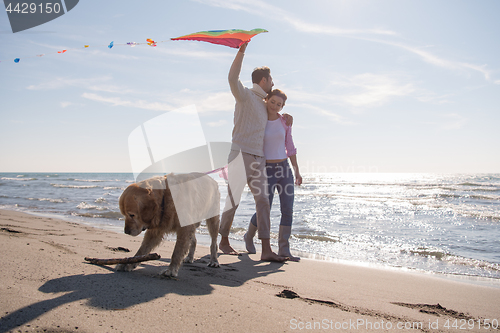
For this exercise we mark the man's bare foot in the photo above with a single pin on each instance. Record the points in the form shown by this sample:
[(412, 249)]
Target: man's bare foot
[(226, 248), (272, 257), (289, 255), (268, 254)]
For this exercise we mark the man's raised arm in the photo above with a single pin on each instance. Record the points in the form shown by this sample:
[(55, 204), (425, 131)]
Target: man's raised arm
[(234, 74)]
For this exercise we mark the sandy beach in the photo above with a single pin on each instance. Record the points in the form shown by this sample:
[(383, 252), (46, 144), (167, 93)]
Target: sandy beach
[(48, 287)]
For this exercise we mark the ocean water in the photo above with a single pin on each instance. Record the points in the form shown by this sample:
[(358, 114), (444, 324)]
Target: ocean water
[(444, 224)]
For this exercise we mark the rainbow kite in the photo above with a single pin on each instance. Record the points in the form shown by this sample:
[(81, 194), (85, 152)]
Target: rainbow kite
[(232, 38)]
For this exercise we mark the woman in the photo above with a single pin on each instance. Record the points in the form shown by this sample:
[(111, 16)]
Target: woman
[(278, 147)]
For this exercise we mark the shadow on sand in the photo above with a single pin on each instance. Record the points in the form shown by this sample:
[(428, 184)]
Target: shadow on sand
[(112, 290)]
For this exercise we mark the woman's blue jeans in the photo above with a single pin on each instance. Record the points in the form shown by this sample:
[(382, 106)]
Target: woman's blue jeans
[(280, 177)]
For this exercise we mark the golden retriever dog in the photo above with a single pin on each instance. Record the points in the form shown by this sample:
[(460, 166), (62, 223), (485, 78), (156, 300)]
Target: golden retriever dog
[(172, 204)]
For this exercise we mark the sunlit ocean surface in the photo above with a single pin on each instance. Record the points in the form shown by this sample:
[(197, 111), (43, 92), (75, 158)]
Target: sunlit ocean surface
[(426, 222)]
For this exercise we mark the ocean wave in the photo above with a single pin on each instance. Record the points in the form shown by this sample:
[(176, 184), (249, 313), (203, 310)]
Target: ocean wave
[(492, 189), (437, 254), (480, 215), (89, 180), (111, 215), (345, 195), (457, 260), (472, 184), (85, 205), (74, 186), (318, 238), (114, 188), (470, 196), (47, 199), (485, 188), (20, 179), (454, 259), (471, 210)]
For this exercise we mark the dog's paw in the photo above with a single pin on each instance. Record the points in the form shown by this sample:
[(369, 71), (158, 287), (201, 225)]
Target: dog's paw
[(214, 264), (125, 267), (169, 273), (188, 260)]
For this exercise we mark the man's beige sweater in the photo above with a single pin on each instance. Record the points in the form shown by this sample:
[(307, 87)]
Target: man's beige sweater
[(250, 114)]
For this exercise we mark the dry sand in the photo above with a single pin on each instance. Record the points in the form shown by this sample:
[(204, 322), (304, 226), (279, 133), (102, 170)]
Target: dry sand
[(46, 286)]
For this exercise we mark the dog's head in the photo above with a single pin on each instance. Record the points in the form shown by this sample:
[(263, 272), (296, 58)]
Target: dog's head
[(141, 206)]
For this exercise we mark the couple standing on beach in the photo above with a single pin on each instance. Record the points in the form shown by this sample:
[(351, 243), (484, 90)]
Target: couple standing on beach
[(261, 146)]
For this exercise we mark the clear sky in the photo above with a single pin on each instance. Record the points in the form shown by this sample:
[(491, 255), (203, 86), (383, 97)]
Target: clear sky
[(374, 86)]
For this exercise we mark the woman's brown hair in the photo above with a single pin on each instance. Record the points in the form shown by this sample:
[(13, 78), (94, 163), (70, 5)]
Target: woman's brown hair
[(279, 93)]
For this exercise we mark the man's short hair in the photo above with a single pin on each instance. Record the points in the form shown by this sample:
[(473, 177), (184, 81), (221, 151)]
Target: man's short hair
[(260, 72), (278, 93)]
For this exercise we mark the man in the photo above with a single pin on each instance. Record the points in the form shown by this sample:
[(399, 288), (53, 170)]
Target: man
[(250, 119)]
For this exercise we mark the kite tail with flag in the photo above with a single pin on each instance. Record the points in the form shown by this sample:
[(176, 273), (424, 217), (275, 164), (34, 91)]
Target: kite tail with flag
[(232, 38)]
